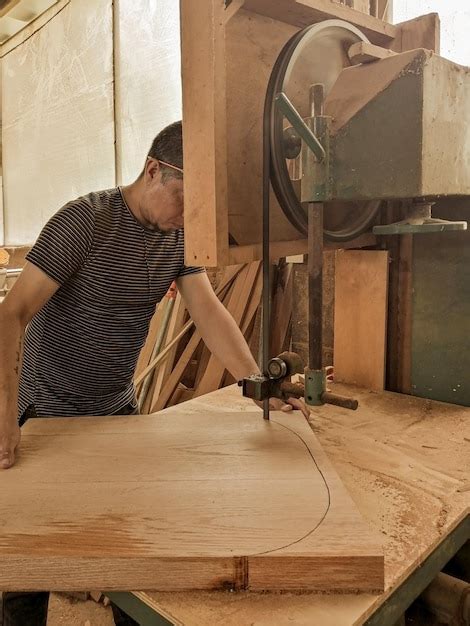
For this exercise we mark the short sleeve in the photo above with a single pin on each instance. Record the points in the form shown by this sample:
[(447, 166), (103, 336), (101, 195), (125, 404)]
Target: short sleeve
[(65, 241), (186, 270)]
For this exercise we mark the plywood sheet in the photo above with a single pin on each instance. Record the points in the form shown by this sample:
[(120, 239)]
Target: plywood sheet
[(361, 290), (57, 115), (148, 78), (178, 502)]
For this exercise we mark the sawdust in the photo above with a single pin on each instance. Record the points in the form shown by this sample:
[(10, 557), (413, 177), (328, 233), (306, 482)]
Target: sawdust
[(65, 611)]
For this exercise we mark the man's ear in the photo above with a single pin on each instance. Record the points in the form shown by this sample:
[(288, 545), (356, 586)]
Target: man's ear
[(152, 168)]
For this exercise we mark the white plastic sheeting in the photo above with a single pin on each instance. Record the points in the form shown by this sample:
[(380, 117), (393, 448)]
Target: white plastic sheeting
[(58, 117), (63, 114), (148, 77), (455, 23)]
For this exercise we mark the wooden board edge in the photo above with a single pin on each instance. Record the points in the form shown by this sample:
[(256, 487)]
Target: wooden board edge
[(51, 573), (362, 574), (257, 573)]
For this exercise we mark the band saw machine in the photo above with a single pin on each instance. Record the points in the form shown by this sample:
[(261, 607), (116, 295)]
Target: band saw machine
[(347, 127)]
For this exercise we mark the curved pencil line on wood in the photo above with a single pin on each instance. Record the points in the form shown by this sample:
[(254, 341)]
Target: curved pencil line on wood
[(310, 532)]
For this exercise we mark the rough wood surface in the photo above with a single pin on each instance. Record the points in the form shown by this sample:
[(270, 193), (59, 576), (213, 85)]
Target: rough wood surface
[(361, 289), (403, 461), (180, 501), (420, 32)]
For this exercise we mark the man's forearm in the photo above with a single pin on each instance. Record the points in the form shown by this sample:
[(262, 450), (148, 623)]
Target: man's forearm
[(225, 340), (11, 354)]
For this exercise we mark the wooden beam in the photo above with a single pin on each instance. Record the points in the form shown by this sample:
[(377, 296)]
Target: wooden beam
[(363, 52), (306, 12), (280, 249), (204, 132)]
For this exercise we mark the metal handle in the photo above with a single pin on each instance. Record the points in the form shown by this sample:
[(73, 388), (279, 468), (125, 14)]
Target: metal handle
[(342, 401), (291, 113)]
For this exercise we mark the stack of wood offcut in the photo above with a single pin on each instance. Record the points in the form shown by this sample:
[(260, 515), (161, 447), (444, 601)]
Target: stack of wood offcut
[(175, 365)]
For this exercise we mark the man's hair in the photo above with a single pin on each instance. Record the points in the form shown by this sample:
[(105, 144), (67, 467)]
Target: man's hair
[(168, 146)]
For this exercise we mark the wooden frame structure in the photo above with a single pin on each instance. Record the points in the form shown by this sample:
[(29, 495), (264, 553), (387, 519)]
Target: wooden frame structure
[(228, 50)]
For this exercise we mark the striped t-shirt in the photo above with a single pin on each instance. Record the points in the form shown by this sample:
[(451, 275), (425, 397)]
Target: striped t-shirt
[(81, 348)]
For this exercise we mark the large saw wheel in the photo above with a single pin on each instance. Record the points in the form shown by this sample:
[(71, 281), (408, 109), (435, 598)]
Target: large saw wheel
[(317, 54)]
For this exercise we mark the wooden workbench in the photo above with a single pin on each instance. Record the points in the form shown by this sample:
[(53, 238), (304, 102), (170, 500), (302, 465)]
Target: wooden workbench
[(406, 463)]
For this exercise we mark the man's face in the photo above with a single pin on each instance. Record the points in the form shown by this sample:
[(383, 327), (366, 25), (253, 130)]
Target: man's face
[(162, 202)]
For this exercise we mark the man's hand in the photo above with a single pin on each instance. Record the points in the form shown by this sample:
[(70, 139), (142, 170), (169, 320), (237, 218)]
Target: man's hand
[(10, 436), (275, 404)]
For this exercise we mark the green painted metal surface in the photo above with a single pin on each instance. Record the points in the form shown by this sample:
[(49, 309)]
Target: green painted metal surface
[(138, 610), (440, 350)]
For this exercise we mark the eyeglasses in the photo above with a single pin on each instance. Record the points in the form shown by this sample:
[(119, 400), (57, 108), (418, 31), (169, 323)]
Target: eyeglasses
[(174, 167)]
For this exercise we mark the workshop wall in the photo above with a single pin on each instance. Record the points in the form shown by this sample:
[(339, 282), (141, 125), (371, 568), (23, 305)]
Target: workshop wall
[(57, 111), (148, 78), (82, 99)]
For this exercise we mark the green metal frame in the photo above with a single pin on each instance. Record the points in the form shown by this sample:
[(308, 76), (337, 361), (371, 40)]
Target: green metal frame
[(142, 613), (399, 600)]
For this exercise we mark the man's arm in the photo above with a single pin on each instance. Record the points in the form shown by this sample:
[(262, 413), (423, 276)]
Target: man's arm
[(217, 327), (29, 294), (221, 333)]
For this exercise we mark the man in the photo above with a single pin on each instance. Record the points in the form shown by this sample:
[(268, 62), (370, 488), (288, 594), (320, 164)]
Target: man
[(87, 293)]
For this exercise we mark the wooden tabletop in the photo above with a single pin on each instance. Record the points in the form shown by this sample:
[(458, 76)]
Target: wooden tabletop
[(180, 501), (406, 463)]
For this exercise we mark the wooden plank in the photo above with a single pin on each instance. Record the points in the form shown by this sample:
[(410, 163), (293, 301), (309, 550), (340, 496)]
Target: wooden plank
[(361, 291), (237, 306), (404, 477), (262, 508), (204, 132), (146, 352), (175, 326), (175, 376), (305, 12), (279, 249), (363, 52)]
